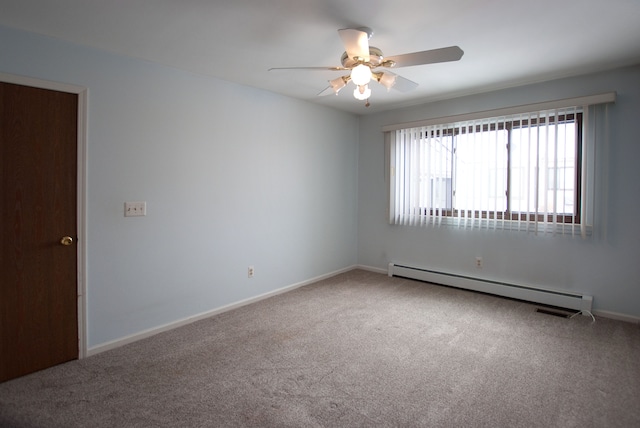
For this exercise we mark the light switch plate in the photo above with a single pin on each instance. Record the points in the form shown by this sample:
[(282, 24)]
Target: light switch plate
[(135, 209)]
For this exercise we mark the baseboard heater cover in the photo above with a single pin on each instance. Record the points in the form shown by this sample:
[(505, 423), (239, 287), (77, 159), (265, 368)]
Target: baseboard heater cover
[(560, 299)]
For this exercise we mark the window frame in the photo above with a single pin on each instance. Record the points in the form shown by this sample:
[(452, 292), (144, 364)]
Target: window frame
[(508, 214)]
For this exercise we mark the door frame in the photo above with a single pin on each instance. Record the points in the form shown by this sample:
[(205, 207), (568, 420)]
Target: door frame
[(81, 203)]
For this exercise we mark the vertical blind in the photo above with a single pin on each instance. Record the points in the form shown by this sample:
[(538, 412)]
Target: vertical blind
[(530, 171)]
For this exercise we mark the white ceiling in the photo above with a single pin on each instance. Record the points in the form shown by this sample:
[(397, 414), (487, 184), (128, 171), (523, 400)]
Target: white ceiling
[(506, 42)]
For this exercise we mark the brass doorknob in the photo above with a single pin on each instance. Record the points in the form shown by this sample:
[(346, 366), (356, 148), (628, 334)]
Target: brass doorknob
[(66, 240)]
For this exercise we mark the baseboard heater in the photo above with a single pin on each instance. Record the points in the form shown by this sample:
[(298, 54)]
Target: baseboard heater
[(560, 299)]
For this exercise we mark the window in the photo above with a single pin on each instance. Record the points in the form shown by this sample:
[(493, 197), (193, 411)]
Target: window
[(531, 171)]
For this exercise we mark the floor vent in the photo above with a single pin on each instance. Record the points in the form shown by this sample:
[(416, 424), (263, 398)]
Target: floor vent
[(555, 312)]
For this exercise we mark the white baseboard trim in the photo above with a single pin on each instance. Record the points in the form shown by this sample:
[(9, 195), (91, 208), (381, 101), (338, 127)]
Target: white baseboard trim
[(185, 321), (371, 269), (617, 316)]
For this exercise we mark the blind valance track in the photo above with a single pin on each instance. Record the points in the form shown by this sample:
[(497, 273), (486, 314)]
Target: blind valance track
[(604, 98)]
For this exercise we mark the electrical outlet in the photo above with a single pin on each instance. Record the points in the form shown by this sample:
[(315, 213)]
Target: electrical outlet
[(479, 262), (135, 209), (250, 272)]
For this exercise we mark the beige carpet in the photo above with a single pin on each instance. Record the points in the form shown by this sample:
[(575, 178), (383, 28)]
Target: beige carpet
[(356, 350)]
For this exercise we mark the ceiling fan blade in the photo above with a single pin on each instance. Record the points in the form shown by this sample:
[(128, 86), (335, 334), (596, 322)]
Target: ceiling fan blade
[(356, 43), (326, 91), (309, 68), (403, 84), (452, 53)]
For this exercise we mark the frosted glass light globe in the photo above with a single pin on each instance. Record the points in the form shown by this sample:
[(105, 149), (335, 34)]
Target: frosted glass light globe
[(361, 75), (362, 92)]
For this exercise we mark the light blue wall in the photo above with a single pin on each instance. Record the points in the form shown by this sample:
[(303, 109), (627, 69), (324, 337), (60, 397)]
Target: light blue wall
[(235, 176), (608, 268), (232, 176)]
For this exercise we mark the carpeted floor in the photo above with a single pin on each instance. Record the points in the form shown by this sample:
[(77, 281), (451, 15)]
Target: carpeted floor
[(356, 350)]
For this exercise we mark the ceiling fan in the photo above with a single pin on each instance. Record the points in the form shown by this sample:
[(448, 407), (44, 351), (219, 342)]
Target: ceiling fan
[(363, 61)]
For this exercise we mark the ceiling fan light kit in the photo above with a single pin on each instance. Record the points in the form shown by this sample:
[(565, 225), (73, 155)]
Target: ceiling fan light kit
[(361, 60), (362, 92), (361, 74), (386, 79), (339, 83)]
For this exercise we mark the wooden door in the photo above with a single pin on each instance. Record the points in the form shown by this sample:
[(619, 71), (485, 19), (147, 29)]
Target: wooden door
[(38, 173)]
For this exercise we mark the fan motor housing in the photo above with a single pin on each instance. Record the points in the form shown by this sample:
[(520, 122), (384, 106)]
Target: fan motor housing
[(375, 59)]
